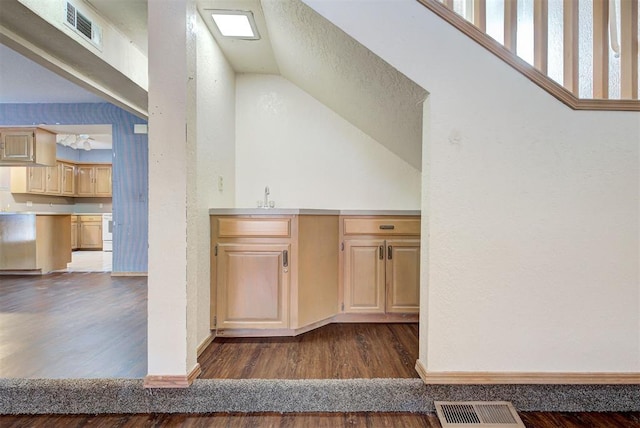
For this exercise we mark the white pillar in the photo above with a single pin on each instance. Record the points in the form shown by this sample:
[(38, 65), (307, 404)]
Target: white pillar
[(172, 360)]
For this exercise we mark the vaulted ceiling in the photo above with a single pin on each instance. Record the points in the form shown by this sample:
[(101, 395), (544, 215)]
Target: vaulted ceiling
[(297, 43)]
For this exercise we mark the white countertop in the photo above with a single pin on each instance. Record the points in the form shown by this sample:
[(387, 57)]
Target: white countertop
[(271, 211), (303, 211), (43, 213)]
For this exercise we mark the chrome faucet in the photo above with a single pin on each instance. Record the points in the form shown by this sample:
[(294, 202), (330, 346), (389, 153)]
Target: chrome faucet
[(266, 197)]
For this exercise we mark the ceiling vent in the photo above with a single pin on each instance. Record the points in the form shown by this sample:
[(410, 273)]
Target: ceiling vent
[(83, 25), (493, 414)]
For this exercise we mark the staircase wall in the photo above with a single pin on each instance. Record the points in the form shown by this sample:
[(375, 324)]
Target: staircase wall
[(531, 209)]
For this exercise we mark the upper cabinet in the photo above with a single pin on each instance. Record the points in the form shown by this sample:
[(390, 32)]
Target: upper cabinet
[(27, 146), (64, 179), (93, 181)]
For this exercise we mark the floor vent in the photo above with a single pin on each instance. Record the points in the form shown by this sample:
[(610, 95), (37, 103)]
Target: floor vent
[(485, 414)]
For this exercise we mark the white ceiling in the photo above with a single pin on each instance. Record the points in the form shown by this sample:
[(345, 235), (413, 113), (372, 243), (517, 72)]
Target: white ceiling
[(296, 42)]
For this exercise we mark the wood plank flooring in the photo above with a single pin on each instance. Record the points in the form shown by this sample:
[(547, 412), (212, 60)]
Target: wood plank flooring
[(73, 325), (328, 420), (335, 351)]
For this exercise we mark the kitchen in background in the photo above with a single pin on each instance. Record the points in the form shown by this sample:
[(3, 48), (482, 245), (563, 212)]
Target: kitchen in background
[(78, 183)]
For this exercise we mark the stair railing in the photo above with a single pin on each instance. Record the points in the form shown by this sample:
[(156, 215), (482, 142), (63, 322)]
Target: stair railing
[(593, 61)]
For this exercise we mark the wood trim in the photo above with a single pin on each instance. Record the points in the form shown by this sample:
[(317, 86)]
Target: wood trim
[(540, 34), (172, 381), (600, 49), (376, 318), (523, 67), (629, 49), (570, 48), (533, 378), (480, 14), (195, 372), (129, 274), (274, 332), (203, 345), (511, 25)]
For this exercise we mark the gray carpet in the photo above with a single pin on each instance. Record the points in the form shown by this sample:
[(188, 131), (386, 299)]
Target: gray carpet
[(84, 396)]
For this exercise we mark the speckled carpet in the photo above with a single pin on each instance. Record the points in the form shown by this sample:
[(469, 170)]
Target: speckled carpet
[(84, 396)]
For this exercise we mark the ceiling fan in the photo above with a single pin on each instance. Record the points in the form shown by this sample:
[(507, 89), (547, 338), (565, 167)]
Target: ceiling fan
[(75, 141)]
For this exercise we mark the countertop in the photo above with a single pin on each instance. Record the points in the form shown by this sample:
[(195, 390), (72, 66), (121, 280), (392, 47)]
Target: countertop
[(44, 213), (303, 211)]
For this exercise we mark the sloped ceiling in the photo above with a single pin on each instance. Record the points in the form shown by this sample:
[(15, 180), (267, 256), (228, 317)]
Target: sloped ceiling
[(313, 54), (347, 77)]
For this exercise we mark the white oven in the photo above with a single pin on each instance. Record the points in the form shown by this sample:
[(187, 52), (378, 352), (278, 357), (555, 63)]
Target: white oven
[(107, 232)]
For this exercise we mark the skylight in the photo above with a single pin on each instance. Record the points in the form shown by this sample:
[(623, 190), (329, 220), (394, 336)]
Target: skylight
[(235, 23)]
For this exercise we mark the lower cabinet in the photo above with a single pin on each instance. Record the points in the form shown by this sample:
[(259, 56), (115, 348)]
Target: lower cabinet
[(381, 265), (253, 285), (273, 275), (74, 232), (89, 232)]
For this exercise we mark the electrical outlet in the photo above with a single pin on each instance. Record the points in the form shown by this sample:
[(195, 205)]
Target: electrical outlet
[(29, 203), (220, 183), (100, 205)]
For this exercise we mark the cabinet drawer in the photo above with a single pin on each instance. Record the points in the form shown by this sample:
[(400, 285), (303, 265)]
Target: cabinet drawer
[(253, 227), (382, 226), (86, 218)]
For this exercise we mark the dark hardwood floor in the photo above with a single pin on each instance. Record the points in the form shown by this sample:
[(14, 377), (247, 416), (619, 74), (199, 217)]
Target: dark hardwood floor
[(73, 325), (328, 420), (335, 351)]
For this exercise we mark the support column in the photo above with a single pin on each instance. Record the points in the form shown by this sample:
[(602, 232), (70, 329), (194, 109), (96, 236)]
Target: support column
[(172, 360)]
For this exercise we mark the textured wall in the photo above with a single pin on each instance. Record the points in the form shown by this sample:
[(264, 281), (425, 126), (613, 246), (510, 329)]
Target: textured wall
[(533, 209), (130, 165), (309, 156), (216, 155)]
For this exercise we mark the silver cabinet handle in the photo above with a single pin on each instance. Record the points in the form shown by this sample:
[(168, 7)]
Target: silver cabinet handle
[(389, 251), (381, 252), (285, 258)]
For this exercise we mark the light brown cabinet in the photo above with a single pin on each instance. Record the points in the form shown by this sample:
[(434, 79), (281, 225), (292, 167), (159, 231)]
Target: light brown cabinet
[(27, 146), (68, 172), (53, 180), (273, 275), (89, 232), (74, 232), (253, 285), (93, 180), (34, 243), (380, 265), (63, 179)]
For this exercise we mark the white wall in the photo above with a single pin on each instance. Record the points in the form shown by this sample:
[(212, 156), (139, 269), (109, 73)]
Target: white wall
[(532, 208), (172, 282), (215, 154), (309, 156), (117, 49)]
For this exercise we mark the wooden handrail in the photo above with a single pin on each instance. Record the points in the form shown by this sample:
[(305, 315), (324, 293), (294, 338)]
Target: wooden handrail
[(524, 67)]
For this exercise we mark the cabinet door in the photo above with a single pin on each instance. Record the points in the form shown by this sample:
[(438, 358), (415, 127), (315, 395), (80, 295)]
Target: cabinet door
[(252, 286), (36, 179), (53, 180), (68, 179), (90, 235), (403, 276), (102, 186), (84, 185), (17, 146), (74, 234), (364, 278)]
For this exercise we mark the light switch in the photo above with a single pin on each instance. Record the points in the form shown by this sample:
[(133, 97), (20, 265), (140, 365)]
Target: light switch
[(220, 183)]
